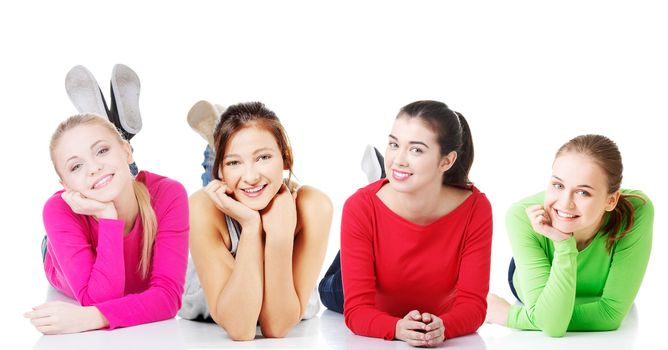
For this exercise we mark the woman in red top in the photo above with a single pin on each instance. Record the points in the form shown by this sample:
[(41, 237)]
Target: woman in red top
[(415, 247)]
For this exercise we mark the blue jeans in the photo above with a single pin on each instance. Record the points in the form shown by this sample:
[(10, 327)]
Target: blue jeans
[(330, 287), (511, 272), (207, 176)]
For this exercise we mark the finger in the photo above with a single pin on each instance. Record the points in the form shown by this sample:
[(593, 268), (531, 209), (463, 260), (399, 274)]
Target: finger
[(48, 330), (42, 321), (414, 315), (437, 332), (426, 318), (436, 323), (413, 335), (408, 324), (434, 342)]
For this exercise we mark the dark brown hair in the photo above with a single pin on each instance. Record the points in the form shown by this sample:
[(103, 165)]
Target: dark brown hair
[(453, 134), (605, 153), (243, 115)]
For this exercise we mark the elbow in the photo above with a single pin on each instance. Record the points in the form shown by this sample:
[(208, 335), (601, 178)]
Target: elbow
[(555, 332), (273, 330), (236, 330), (239, 334)]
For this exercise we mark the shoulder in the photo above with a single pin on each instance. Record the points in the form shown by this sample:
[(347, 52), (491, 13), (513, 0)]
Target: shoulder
[(56, 208), (363, 196), (640, 201), (160, 186), (205, 218), (312, 201), (519, 207)]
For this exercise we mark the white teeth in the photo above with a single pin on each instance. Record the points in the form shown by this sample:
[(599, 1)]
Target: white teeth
[(399, 174), (102, 182), (254, 189), (564, 215)]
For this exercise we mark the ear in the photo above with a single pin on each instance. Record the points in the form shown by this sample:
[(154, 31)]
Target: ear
[(447, 161), (128, 149), (611, 201)]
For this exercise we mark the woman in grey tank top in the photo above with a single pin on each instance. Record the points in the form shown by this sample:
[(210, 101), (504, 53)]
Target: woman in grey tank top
[(256, 239)]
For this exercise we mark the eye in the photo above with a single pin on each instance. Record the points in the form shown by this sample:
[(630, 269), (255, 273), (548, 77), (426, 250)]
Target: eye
[(417, 150), (392, 145), (264, 157), (75, 167), (557, 186), (232, 163), (102, 151), (583, 193)]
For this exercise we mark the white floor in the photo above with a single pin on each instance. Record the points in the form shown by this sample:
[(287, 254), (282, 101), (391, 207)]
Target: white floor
[(328, 331)]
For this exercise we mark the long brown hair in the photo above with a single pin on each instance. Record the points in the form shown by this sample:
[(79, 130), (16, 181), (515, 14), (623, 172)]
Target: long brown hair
[(605, 153), (146, 212), (242, 115)]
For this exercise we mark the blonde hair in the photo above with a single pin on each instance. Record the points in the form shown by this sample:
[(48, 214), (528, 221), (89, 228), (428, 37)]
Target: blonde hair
[(146, 212)]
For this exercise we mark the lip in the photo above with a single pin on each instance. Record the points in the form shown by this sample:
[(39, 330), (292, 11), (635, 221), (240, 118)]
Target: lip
[(256, 191), (400, 175), (564, 215), (102, 182)]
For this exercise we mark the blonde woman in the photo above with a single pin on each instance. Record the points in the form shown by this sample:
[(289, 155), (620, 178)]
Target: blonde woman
[(117, 244)]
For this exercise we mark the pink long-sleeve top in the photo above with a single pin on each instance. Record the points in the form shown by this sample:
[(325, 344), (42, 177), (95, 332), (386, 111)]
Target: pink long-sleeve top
[(93, 262)]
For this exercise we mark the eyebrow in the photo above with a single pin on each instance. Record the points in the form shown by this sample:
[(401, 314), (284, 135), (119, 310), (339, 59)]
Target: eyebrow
[(585, 186), (259, 150), (410, 142), (91, 147)]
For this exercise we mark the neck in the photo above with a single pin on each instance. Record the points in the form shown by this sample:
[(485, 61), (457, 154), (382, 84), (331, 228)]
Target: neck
[(127, 207), (419, 206), (586, 235)]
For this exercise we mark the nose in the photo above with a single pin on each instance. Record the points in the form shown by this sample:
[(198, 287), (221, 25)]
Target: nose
[(251, 175), (94, 168), (566, 201), (400, 158)]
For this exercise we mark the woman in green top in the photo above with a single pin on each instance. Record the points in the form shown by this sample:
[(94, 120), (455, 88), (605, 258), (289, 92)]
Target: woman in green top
[(580, 248)]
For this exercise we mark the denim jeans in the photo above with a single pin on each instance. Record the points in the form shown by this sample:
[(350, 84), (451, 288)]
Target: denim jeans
[(511, 272), (207, 164), (330, 287)]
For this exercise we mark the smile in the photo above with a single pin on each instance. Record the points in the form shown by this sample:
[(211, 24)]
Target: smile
[(400, 175), (102, 182), (565, 215), (254, 191)]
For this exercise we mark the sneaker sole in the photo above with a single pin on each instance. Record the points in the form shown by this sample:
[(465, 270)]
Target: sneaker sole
[(125, 85), (84, 92), (203, 117)]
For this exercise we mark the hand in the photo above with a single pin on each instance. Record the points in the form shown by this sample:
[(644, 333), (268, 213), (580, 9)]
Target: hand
[(218, 192), (541, 223), (411, 329), (281, 213), (497, 310), (86, 206), (62, 318), (435, 329)]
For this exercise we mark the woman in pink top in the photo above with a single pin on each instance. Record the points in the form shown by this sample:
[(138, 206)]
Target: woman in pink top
[(118, 244)]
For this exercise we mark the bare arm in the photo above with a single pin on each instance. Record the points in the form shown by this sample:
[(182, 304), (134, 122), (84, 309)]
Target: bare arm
[(295, 248), (233, 287)]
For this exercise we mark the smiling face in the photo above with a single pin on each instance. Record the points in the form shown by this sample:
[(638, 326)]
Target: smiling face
[(412, 159), (252, 166), (577, 196), (91, 160)]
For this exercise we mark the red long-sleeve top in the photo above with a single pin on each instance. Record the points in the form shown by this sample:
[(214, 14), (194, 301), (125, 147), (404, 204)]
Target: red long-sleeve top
[(391, 266)]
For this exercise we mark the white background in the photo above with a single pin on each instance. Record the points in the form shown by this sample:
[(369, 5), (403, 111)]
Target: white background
[(527, 76)]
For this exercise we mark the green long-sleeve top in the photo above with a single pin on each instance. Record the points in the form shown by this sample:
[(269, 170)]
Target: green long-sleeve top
[(563, 289)]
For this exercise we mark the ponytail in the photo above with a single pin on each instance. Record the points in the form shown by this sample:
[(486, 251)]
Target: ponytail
[(458, 175), (620, 220), (149, 225)]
